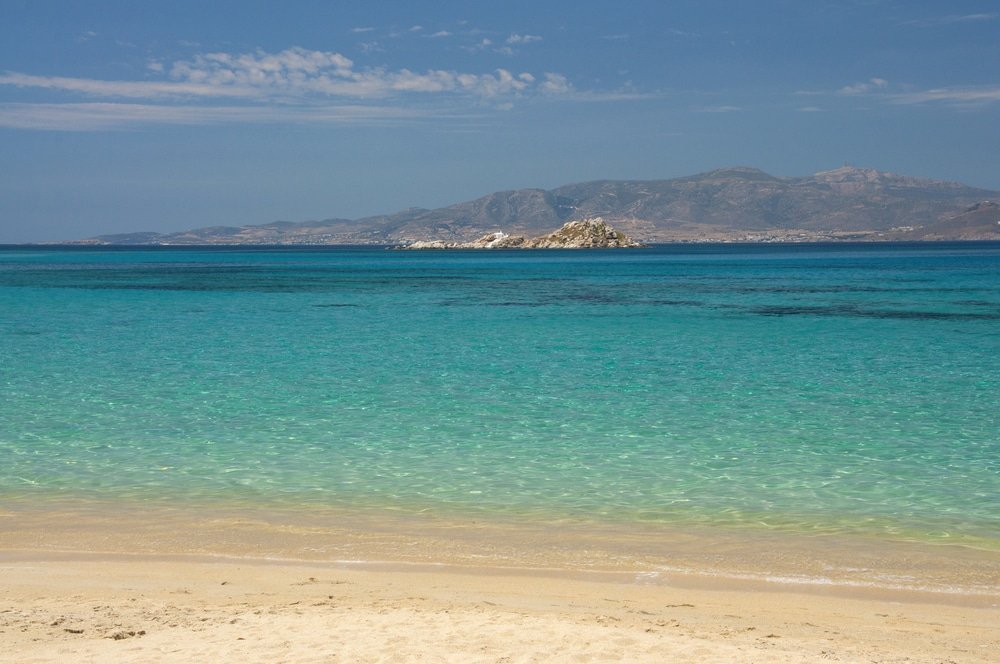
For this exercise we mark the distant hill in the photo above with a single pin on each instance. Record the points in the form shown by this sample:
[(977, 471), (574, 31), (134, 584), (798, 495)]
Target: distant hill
[(732, 204)]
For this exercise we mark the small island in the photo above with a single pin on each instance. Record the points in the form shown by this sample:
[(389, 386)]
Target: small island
[(591, 233)]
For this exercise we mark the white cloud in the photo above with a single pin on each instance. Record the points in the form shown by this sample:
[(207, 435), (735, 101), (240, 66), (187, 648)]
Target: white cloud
[(556, 84), (294, 85), (976, 17), (494, 85), (361, 30), (810, 109), (482, 45), (291, 69), (964, 96), (870, 85), (522, 39), (440, 33), (294, 73), (516, 40)]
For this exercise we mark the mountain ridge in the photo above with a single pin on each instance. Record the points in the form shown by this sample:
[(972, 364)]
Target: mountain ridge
[(738, 203)]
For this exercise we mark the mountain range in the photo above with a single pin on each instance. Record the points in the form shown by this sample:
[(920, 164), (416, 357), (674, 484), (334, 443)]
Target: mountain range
[(732, 204)]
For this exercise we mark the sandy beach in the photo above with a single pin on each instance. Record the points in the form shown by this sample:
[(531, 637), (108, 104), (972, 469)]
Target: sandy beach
[(73, 590), (122, 609)]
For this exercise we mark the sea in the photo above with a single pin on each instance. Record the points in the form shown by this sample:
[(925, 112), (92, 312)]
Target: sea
[(800, 389)]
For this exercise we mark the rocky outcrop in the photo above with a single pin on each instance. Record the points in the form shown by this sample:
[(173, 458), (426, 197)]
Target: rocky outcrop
[(497, 240), (583, 234)]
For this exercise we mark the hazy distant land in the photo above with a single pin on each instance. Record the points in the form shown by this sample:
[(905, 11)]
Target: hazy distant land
[(727, 205)]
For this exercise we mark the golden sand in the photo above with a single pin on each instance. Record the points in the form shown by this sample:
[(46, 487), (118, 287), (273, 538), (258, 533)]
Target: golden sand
[(162, 586)]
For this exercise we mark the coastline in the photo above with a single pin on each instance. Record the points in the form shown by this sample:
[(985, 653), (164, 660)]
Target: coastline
[(171, 585), (839, 563)]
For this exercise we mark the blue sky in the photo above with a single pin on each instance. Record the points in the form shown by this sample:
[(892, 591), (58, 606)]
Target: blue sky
[(124, 116)]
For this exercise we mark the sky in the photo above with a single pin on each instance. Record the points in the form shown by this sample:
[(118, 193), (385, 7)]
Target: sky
[(169, 115)]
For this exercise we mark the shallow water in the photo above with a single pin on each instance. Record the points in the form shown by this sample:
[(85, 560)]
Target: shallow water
[(846, 389)]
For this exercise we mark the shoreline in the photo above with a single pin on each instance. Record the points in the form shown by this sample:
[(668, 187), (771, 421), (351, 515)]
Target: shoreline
[(698, 580), (825, 562)]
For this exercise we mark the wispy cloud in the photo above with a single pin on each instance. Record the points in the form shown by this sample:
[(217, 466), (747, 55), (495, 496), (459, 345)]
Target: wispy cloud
[(522, 39), (951, 19), (899, 94), (109, 116), (294, 85), (290, 74), (682, 33), (480, 45), (133, 89), (470, 39), (510, 45), (515, 40), (961, 96), (863, 87), (601, 96)]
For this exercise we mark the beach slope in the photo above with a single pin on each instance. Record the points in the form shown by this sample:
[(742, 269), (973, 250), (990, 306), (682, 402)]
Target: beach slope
[(102, 608)]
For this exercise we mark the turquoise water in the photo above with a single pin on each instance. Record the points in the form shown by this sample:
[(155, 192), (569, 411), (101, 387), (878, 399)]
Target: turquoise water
[(841, 388)]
